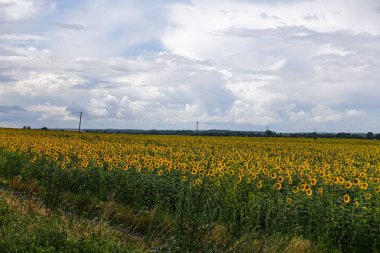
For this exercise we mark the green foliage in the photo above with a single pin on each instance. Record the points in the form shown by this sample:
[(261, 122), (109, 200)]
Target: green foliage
[(11, 163)]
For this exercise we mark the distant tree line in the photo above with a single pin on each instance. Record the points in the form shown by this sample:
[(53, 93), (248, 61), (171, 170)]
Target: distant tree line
[(215, 132), (268, 133)]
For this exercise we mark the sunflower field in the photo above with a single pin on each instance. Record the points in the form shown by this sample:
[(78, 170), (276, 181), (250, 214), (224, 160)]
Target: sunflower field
[(220, 194)]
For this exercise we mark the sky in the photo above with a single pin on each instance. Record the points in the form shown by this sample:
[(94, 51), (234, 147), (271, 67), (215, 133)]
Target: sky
[(291, 65)]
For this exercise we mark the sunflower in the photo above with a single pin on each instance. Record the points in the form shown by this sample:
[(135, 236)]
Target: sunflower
[(348, 185), (260, 184), (198, 181), (346, 198), (364, 186), (356, 181), (160, 172), (273, 175), (280, 179), (368, 195), (278, 186), (356, 204), (85, 164), (313, 181), (309, 192), (295, 189)]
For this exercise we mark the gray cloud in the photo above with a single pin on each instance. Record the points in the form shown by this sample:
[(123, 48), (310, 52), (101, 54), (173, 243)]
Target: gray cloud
[(6, 79), (75, 27), (10, 108), (310, 17)]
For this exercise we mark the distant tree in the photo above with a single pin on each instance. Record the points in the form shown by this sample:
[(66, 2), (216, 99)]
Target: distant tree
[(377, 136), (343, 135), (269, 133), (28, 127), (370, 135), (44, 128)]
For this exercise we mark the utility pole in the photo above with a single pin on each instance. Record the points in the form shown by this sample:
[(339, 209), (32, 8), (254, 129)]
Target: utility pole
[(80, 121), (196, 130)]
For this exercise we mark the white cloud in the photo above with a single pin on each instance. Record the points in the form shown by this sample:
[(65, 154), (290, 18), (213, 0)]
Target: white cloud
[(321, 113), (40, 84), (197, 28), (14, 10), (51, 112), (327, 49), (22, 37)]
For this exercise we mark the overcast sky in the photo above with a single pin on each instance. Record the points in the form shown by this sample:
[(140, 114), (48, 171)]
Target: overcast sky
[(292, 65)]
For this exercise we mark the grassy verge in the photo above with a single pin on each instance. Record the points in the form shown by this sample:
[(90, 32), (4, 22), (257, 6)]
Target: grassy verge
[(26, 225)]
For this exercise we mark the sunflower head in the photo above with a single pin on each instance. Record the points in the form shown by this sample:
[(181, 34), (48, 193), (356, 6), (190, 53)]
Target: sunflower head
[(356, 181), (309, 192), (364, 186), (346, 198), (348, 184), (278, 186)]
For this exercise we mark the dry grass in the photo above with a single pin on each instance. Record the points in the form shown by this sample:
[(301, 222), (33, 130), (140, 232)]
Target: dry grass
[(76, 227), (24, 204), (299, 245)]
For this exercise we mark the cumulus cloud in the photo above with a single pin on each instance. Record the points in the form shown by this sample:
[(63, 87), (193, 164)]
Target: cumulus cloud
[(42, 84), (321, 113), (51, 112), (14, 10)]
